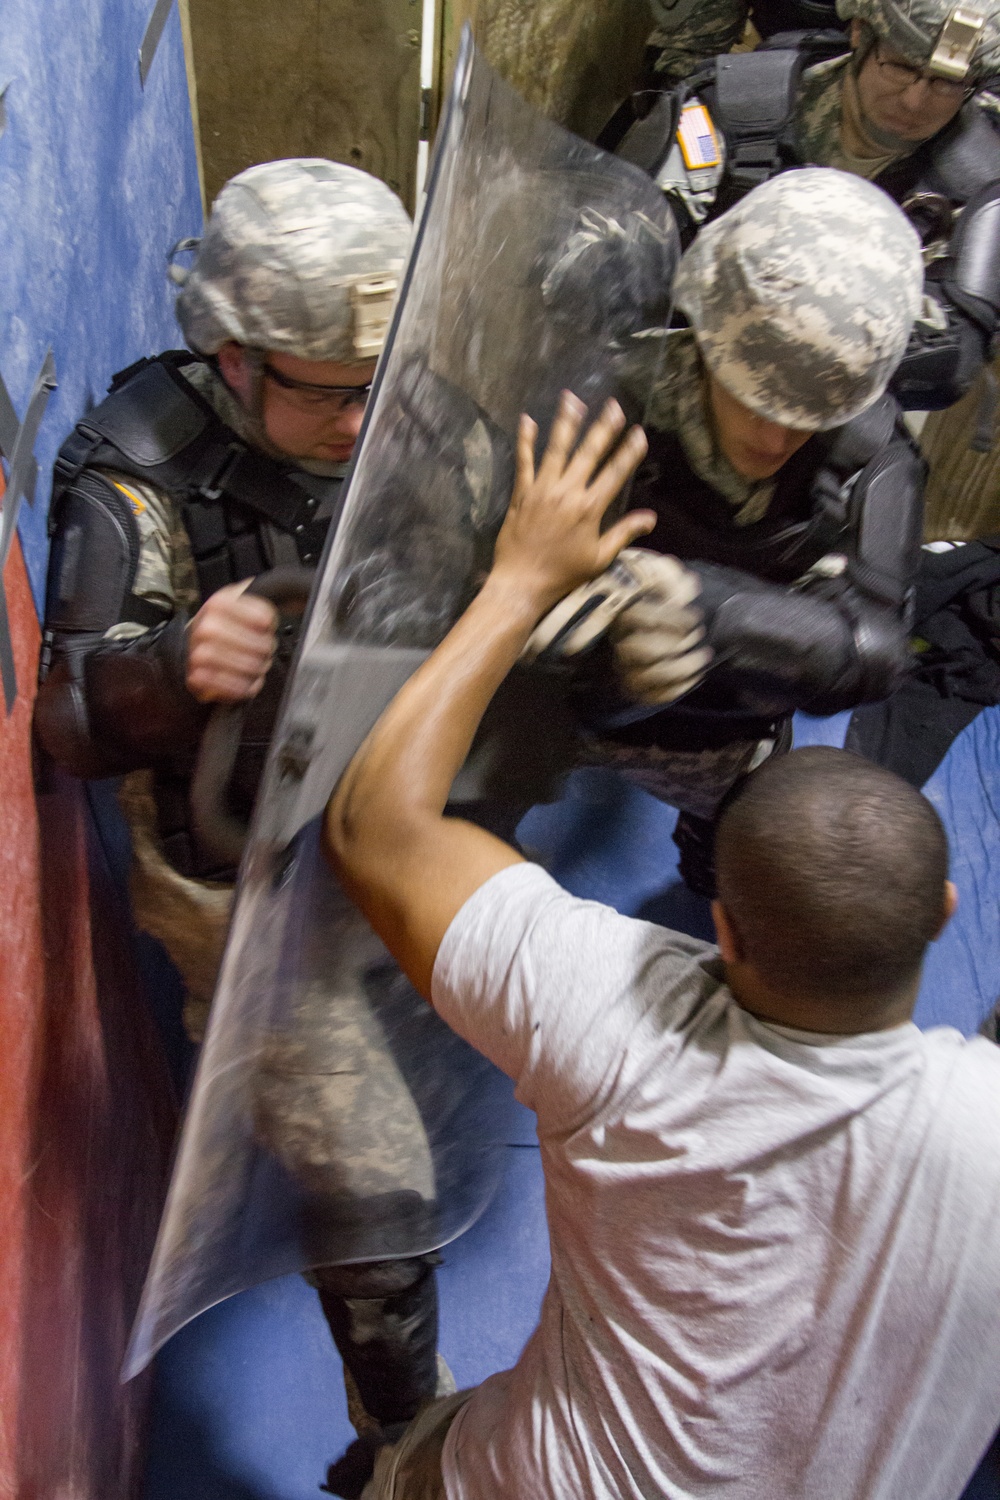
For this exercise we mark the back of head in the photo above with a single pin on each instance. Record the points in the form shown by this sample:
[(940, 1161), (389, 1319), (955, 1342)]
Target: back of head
[(832, 871), (951, 38), (299, 257), (803, 295)]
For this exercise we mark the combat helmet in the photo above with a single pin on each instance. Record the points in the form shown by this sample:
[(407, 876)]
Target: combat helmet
[(299, 257), (802, 296), (960, 42)]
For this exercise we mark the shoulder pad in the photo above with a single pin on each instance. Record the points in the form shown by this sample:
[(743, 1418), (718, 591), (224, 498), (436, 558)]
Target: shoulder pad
[(95, 553), (886, 520), (814, 45), (857, 442), (150, 417), (966, 160), (756, 90), (648, 142)]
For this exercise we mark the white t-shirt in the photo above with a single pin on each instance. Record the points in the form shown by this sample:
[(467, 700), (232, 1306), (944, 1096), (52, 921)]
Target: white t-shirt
[(775, 1268)]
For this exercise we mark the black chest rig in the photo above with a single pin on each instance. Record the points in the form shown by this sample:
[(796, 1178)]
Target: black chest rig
[(243, 511), (752, 98), (809, 515)]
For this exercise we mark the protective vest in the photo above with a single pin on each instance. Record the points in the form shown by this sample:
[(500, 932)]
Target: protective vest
[(243, 511)]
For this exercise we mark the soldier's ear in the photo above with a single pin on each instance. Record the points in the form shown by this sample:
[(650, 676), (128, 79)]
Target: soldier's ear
[(234, 368), (855, 34)]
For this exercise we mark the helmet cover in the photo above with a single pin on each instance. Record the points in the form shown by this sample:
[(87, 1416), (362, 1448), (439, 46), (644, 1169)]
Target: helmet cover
[(937, 34), (802, 296), (300, 257)]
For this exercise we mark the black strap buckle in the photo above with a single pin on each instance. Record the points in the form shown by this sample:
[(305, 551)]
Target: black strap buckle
[(214, 486)]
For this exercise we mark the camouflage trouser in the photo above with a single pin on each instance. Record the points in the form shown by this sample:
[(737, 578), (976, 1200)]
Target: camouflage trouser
[(695, 781), (411, 1468)]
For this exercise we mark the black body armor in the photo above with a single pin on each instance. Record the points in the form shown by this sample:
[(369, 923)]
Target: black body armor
[(807, 608), (949, 187), (110, 706)]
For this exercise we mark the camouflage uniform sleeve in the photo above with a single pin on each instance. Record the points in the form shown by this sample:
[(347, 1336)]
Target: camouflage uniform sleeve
[(165, 575), (688, 31)]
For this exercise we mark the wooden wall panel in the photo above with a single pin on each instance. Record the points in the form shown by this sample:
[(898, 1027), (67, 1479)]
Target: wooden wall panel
[(333, 78), (963, 491), (573, 62)]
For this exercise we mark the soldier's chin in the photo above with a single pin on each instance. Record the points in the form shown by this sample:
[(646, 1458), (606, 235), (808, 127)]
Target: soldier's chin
[(752, 465), (903, 138), (332, 453)]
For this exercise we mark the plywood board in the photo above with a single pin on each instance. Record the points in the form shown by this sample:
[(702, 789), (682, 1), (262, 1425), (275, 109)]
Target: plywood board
[(963, 491), (331, 78), (573, 62)]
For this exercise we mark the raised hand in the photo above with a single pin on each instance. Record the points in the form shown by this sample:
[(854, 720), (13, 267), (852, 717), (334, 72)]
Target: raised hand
[(551, 540)]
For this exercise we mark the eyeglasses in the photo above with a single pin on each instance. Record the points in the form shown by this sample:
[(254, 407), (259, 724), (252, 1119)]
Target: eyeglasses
[(899, 76), (331, 399)]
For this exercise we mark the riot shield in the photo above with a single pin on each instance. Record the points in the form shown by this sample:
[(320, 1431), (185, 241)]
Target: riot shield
[(334, 1118)]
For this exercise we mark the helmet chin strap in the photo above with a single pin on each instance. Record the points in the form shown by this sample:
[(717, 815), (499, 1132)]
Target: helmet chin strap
[(887, 138)]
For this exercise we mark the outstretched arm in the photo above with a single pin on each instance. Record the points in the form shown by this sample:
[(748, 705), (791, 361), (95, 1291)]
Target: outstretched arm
[(408, 867)]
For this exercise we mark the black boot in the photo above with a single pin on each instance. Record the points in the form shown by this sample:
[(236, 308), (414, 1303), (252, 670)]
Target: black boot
[(695, 838), (384, 1320)]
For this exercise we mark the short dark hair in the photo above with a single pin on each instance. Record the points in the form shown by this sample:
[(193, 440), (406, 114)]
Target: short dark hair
[(832, 871)]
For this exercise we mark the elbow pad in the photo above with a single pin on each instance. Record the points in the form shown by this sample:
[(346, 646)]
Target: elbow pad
[(112, 706), (942, 358), (777, 650), (974, 281)]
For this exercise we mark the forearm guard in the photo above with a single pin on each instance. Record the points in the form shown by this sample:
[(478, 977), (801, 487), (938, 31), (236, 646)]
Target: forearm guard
[(106, 707), (777, 649)]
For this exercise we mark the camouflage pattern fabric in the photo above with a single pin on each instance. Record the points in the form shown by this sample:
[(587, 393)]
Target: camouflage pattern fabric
[(799, 316), (676, 403), (165, 574), (290, 258), (688, 31), (695, 781), (912, 28)]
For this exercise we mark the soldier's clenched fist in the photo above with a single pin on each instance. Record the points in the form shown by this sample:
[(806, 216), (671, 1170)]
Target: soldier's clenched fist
[(231, 643)]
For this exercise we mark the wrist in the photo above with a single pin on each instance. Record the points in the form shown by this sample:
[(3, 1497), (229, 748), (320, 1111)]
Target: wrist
[(523, 600)]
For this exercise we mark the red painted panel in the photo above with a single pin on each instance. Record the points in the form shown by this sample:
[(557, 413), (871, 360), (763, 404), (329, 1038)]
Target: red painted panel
[(86, 1121)]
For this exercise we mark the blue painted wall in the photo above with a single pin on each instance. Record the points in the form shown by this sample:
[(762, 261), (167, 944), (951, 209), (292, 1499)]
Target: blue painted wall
[(98, 179)]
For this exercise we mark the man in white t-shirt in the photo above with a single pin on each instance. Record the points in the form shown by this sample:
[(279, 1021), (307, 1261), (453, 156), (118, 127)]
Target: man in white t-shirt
[(772, 1201)]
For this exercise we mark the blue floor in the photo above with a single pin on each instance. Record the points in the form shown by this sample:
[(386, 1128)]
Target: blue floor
[(249, 1401)]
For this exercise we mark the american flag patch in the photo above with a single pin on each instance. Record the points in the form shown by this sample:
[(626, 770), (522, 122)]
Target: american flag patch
[(697, 139)]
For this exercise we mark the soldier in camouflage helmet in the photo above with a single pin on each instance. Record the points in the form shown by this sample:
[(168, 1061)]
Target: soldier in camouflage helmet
[(804, 328), (907, 99), (203, 468), (788, 500)]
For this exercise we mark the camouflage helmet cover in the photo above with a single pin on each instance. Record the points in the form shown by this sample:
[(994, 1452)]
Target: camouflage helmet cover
[(914, 29), (300, 257), (803, 295)]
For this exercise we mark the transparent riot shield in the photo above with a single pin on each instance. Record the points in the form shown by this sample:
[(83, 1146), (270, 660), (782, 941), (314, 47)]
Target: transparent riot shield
[(334, 1118)]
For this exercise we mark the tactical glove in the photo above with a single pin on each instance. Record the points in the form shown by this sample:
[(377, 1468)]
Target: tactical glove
[(644, 604)]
